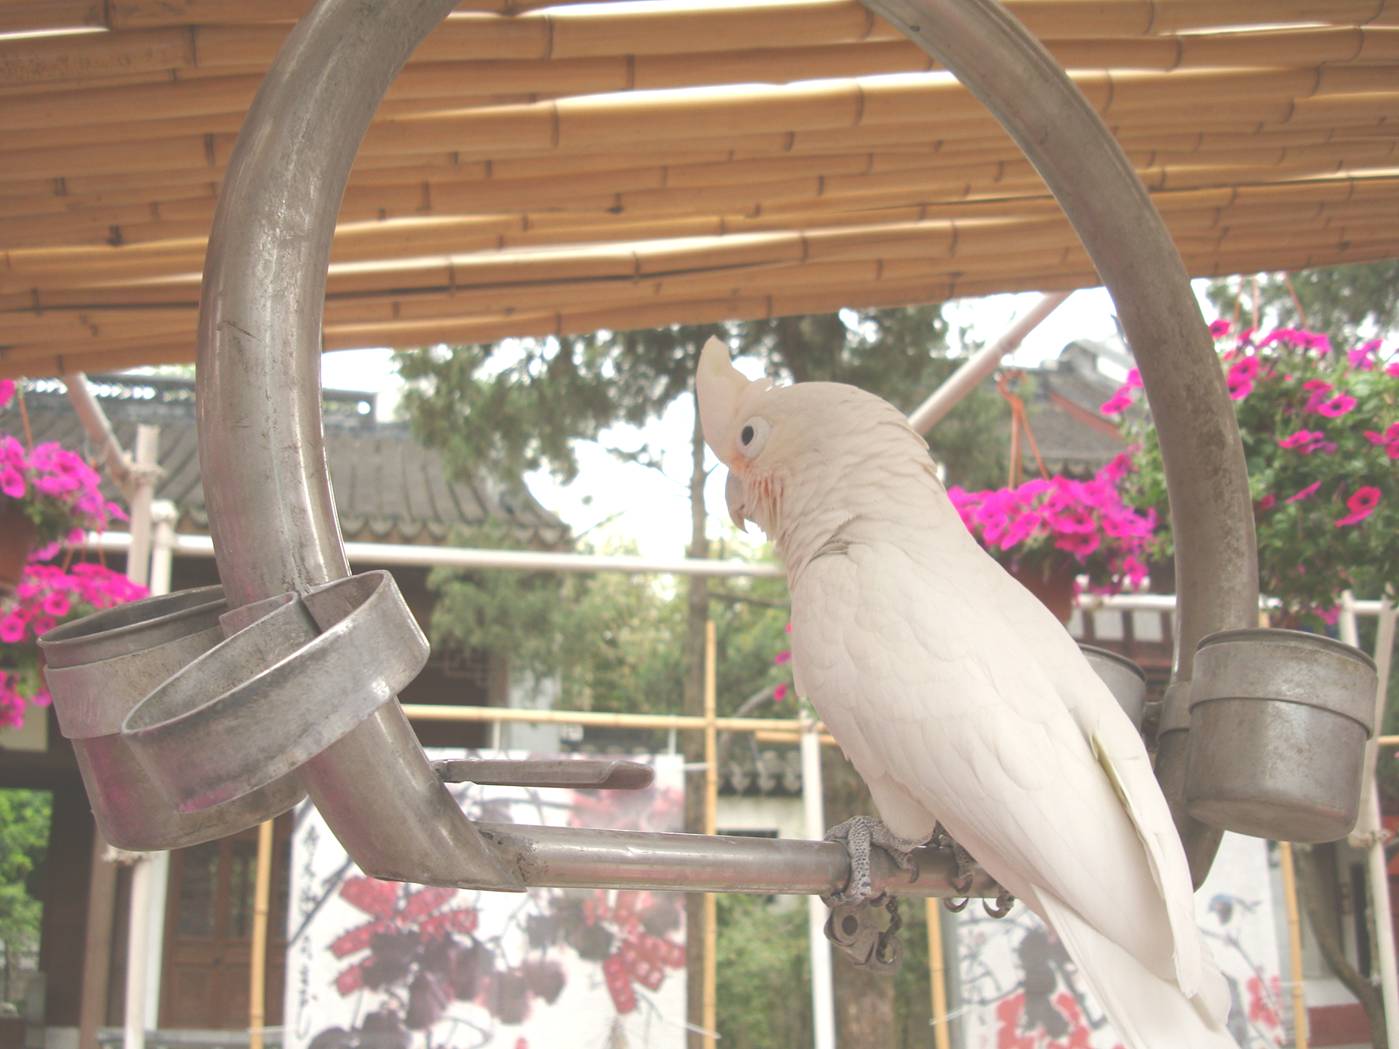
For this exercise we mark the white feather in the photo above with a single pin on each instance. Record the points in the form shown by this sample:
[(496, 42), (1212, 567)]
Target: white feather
[(960, 699)]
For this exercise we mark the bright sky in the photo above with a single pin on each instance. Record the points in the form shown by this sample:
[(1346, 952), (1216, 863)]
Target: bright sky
[(624, 501)]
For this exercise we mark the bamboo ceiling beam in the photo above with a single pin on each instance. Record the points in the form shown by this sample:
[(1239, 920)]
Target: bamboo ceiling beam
[(162, 102), (628, 121), (384, 244), (486, 329), (838, 258)]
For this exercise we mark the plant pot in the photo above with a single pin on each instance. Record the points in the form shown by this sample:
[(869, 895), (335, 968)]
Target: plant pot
[(1052, 584), (17, 535), (1279, 722), (1124, 679)]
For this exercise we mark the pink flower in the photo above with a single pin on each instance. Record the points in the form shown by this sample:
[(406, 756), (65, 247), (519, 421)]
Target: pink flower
[(1392, 369), (785, 656), (1337, 406), (1318, 391), (1305, 493), (7, 391), (1117, 403), (1268, 502), (1303, 440), (12, 482), (1241, 375), (57, 603), (1220, 328), (12, 628), (1360, 356), (1330, 616), (1361, 505), (779, 693)]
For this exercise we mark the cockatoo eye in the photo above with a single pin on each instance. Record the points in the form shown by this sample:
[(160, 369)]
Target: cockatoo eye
[(752, 436)]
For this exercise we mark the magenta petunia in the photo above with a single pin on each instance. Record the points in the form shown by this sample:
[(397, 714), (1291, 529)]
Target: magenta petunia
[(779, 693), (1117, 403), (1305, 493), (12, 628), (785, 656), (1337, 406), (7, 391), (1220, 328), (1361, 504), (1302, 440), (1268, 502)]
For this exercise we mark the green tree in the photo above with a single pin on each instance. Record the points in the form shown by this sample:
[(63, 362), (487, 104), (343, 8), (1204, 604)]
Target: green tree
[(1346, 302), (24, 838)]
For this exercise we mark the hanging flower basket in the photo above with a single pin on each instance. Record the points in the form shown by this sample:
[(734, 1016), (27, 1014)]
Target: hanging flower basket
[(1048, 531), (1052, 582), (1320, 432), (52, 489)]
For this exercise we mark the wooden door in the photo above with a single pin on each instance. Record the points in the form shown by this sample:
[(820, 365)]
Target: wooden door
[(208, 932)]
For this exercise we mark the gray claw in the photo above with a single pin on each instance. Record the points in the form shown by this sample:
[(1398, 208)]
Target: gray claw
[(1004, 902)]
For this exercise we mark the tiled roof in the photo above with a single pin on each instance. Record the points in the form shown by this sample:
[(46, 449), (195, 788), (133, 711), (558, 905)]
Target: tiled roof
[(1062, 403), (388, 487)]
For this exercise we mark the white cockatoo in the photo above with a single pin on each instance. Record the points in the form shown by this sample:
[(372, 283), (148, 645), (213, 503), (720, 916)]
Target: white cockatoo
[(959, 698)]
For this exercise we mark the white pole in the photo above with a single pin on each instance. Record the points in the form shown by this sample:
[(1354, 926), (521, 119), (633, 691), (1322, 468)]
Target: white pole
[(1369, 831), (138, 555), (823, 1020), (163, 516), (970, 375), (138, 570)]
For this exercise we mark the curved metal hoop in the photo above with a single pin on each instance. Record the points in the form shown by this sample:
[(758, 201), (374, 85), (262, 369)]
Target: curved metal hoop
[(261, 443)]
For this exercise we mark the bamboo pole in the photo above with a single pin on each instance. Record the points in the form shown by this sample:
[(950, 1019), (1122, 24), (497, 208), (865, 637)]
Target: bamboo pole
[(257, 963), (1296, 979), (710, 1021), (937, 973)]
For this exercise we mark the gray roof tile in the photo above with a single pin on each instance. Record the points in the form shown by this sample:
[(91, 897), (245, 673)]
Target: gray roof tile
[(387, 487)]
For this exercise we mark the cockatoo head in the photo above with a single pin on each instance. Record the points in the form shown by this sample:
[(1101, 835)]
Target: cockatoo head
[(797, 447)]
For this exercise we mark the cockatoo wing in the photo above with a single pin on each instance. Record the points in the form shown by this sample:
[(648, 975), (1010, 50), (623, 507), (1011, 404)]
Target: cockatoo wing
[(904, 659)]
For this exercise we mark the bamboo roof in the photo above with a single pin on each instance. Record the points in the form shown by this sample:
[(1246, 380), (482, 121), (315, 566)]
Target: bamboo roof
[(629, 164)]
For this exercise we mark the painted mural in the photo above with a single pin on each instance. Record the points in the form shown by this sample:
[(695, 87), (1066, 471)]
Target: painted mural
[(1019, 990), (384, 965)]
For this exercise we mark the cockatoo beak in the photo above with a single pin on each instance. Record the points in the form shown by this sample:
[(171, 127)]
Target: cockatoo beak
[(733, 496)]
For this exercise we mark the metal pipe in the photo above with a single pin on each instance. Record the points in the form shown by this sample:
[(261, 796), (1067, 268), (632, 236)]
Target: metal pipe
[(396, 555), (261, 445), (823, 1016), (565, 857), (981, 364), (1083, 166)]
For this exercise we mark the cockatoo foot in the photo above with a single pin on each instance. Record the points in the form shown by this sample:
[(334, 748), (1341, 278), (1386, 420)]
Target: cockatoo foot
[(965, 878), (858, 834)]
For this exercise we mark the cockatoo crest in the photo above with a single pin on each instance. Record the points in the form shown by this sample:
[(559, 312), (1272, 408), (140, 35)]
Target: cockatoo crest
[(723, 391)]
